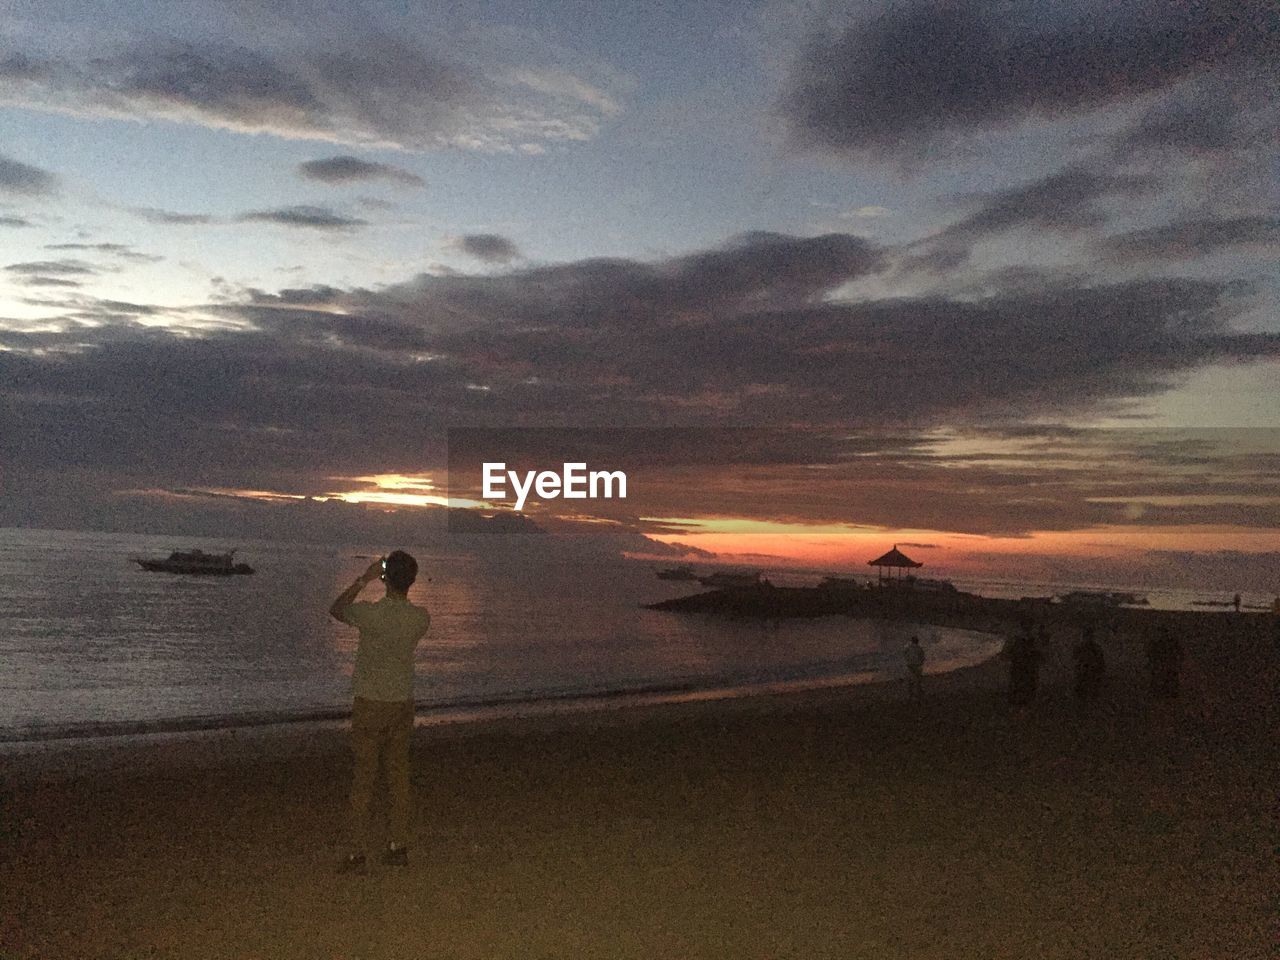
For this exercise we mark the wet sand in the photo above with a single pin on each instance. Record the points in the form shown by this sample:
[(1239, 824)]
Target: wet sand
[(842, 823)]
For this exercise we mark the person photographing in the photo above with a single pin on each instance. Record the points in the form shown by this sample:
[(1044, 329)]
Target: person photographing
[(382, 700)]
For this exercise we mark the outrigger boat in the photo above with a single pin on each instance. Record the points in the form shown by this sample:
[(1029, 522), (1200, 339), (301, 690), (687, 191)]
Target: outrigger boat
[(196, 563)]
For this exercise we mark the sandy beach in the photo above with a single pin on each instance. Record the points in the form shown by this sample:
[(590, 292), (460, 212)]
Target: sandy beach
[(843, 823)]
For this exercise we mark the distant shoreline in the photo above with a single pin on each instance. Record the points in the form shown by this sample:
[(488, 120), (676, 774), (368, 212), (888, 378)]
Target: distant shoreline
[(965, 611)]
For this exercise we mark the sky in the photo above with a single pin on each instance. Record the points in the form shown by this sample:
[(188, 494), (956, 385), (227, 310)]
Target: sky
[(995, 279)]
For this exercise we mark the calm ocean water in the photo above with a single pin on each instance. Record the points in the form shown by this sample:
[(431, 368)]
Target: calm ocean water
[(93, 645)]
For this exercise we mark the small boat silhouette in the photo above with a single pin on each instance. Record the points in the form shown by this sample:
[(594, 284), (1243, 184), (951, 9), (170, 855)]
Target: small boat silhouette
[(196, 562)]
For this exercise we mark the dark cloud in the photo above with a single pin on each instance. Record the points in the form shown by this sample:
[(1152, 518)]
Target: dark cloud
[(364, 86), (743, 334), (317, 218), (755, 272), (318, 361), (348, 169), (59, 267), (735, 335), (153, 215), (9, 221), (901, 81), (36, 280), (1067, 201), (25, 180), (1193, 239), (121, 251), (489, 247), (99, 247), (1193, 128), (226, 82), (1211, 119)]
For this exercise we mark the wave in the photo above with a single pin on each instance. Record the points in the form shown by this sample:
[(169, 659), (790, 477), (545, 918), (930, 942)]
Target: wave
[(858, 670)]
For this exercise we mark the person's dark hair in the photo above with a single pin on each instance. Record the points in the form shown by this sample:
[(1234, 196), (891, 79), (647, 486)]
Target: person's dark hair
[(402, 570)]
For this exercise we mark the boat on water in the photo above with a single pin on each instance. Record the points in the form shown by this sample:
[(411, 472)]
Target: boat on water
[(197, 563), (1102, 598), (733, 581), (682, 572)]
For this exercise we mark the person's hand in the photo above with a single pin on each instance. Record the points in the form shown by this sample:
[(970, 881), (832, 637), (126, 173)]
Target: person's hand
[(373, 573)]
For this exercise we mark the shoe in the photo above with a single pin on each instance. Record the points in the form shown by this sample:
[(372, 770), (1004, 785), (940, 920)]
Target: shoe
[(354, 863), (395, 856)]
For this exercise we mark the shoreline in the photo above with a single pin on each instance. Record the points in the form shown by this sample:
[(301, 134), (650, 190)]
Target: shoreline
[(801, 676), (991, 616), (328, 735), (994, 617)]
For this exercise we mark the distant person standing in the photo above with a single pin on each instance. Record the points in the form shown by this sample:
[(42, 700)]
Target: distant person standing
[(1024, 658), (914, 657), (382, 705), (1164, 657), (1235, 602), (1090, 666)]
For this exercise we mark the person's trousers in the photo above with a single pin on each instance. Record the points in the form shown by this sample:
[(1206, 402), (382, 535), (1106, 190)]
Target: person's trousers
[(380, 729)]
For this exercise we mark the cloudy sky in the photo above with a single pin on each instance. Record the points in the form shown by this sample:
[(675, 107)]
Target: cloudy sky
[(994, 278)]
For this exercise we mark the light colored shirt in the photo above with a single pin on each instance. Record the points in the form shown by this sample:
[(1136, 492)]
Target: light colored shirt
[(389, 633), (914, 655)]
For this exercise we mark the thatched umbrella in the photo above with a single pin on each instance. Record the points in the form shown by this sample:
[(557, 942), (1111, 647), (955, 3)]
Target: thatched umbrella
[(895, 559)]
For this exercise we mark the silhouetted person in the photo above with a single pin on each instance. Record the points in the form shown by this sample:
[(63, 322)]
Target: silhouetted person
[(1024, 657), (1235, 602), (382, 706), (1090, 666), (1164, 655), (914, 657)]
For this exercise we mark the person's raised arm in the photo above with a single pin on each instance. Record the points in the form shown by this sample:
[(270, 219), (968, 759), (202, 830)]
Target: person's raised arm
[(339, 607)]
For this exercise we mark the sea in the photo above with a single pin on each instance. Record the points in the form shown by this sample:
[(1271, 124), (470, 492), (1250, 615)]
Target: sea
[(93, 646)]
